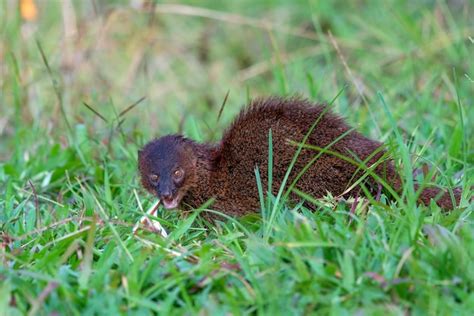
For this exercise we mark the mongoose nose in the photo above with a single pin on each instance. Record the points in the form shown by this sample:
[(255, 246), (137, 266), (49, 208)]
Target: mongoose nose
[(166, 195)]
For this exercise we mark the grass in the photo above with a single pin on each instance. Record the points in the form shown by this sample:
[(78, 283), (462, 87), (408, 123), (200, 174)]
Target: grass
[(72, 120)]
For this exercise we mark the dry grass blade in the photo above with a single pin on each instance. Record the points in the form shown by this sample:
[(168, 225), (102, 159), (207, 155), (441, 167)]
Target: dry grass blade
[(119, 125), (131, 106), (55, 83), (95, 112), (35, 195), (223, 105), (36, 305), (360, 87), (358, 83), (231, 18), (267, 65)]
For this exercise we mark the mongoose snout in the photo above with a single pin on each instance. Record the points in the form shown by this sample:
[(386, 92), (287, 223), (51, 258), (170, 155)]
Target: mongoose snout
[(166, 166)]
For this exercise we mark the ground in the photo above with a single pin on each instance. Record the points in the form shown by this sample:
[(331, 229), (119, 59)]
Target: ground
[(84, 84)]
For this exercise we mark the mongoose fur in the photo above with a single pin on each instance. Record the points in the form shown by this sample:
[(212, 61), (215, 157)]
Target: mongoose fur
[(182, 172)]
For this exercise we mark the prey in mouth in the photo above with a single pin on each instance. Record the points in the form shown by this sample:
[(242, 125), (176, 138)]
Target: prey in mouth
[(170, 203)]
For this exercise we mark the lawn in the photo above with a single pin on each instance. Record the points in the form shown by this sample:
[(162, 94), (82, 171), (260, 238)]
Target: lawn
[(84, 84)]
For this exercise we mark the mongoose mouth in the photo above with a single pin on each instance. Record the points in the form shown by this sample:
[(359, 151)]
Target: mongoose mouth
[(170, 203)]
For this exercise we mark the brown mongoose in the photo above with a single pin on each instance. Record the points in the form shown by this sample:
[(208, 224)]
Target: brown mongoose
[(182, 172)]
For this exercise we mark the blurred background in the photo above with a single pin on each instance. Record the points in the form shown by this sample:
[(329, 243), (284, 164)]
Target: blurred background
[(177, 61), (85, 83)]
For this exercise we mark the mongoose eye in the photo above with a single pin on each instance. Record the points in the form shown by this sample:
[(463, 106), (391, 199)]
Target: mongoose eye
[(178, 174), (153, 178)]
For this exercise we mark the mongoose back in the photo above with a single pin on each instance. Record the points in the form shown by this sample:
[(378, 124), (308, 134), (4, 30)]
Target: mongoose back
[(182, 172)]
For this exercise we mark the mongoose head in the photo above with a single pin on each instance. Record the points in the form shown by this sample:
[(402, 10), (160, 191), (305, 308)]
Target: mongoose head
[(168, 168)]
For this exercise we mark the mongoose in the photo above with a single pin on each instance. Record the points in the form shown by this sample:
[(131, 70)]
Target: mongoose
[(182, 172)]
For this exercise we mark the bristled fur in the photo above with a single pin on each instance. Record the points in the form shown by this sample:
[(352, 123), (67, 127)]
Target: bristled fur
[(226, 171)]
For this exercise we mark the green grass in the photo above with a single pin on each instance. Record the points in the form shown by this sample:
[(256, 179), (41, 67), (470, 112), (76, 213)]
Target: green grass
[(69, 191)]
